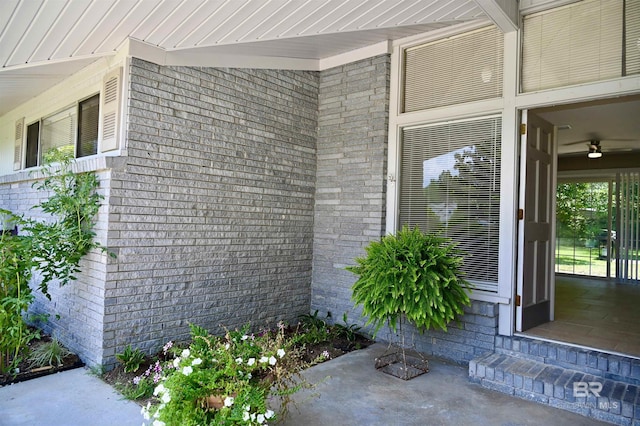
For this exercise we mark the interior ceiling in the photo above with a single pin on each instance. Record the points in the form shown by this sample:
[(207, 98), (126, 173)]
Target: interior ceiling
[(613, 122), (44, 41)]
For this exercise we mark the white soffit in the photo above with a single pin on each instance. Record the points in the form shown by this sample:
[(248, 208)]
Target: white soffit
[(60, 37)]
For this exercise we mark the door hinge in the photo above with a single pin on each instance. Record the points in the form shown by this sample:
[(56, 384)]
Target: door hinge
[(523, 129), (517, 300), (520, 214)]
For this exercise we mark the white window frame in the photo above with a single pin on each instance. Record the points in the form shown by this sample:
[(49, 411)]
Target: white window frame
[(469, 110)]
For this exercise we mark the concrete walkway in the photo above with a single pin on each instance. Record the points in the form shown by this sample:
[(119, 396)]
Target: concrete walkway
[(348, 391)]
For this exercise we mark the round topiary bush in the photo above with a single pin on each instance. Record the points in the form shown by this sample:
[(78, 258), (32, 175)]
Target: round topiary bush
[(410, 274)]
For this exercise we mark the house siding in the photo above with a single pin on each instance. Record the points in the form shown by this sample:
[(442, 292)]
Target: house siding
[(211, 213)]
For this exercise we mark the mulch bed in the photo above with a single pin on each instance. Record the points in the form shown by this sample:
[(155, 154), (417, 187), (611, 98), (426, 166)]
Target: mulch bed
[(27, 372)]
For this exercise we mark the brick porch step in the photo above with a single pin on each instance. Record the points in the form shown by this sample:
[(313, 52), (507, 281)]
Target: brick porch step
[(594, 384)]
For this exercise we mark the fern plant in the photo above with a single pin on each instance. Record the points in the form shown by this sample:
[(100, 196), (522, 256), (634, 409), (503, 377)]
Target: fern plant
[(410, 274)]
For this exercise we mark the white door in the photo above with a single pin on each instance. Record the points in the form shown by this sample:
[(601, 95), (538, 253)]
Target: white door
[(535, 283)]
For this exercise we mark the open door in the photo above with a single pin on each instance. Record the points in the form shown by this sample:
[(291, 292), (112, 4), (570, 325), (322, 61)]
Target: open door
[(535, 283)]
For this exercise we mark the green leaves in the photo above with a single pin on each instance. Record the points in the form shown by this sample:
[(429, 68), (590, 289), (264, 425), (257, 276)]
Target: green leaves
[(413, 274)]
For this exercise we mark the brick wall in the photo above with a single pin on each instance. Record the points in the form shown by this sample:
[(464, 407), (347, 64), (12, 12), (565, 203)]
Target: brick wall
[(80, 303), (211, 211), (350, 186)]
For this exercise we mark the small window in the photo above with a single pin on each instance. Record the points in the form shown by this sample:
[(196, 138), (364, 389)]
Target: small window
[(88, 115), (33, 136)]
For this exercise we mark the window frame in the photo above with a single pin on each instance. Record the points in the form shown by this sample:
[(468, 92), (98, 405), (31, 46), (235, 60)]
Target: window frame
[(76, 131)]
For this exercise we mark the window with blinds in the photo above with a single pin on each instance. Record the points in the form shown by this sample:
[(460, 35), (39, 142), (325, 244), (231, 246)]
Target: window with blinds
[(59, 131), (463, 68), (588, 41), (450, 185), (88, 116)]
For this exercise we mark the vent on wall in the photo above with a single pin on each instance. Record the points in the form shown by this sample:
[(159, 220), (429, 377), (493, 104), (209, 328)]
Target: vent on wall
[(110, 111), (17, 150), (463, 68)]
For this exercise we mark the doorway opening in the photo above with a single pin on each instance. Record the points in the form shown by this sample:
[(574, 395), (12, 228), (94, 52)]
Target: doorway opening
[(596, 262)]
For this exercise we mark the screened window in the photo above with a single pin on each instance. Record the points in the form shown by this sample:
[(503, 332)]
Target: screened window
[(450, 184), (462, 68), (587, 41), (58, 131)]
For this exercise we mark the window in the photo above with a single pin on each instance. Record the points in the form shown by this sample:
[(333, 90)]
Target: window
[(591, 40), (88, 116), (74, 130), (462, 68), (33, 136), (450, 184)]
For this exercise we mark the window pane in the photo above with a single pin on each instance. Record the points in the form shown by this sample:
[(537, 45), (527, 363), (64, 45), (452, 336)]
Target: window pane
[(33, 133), (58, 131), (450, 184), (88, 126)]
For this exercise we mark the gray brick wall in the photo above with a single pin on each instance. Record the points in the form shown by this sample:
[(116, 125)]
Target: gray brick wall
[(80, 303), (211, 212), (350, 185)]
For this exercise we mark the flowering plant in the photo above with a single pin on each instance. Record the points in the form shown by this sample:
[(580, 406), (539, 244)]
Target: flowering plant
[(226, 380)]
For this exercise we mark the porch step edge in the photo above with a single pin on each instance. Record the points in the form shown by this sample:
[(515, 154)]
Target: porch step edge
[(595, 397)]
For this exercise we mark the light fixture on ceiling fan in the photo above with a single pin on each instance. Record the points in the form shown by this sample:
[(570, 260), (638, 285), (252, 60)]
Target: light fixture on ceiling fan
[(595, 151)]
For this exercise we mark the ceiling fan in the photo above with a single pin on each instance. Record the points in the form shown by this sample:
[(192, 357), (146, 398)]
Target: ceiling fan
[(595, 147)]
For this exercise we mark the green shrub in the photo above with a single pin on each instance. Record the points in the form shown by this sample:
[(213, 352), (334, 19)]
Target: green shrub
[(131, 359), (410, 274)]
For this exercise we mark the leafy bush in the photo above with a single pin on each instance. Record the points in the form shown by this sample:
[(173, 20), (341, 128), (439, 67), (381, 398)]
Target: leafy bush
[(226, 380), (131, 359), (410, 274), (49, 353), (54, 248)]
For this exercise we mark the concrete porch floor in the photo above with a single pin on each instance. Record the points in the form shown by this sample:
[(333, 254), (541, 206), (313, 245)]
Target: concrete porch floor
[(348, 391)]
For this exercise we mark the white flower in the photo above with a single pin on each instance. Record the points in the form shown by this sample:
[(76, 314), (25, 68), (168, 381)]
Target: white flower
[(187, 370), (245, 416), (159, 389), (145, 411), (273, 360), (165, 398), (251, 361), (228, 401), (247, 407), (253, 416), (269, 414), (196, 361), (176, 362), (238, 360), (158, 423), (245, 337), (260, 418), (185, 353), (227, 346), (249, 376), (280, 353), (264, 359)]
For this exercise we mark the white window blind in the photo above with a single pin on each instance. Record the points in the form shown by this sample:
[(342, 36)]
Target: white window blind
[(59, 131), (459, 69), (579, 43), (450, 185), (632, 37)]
